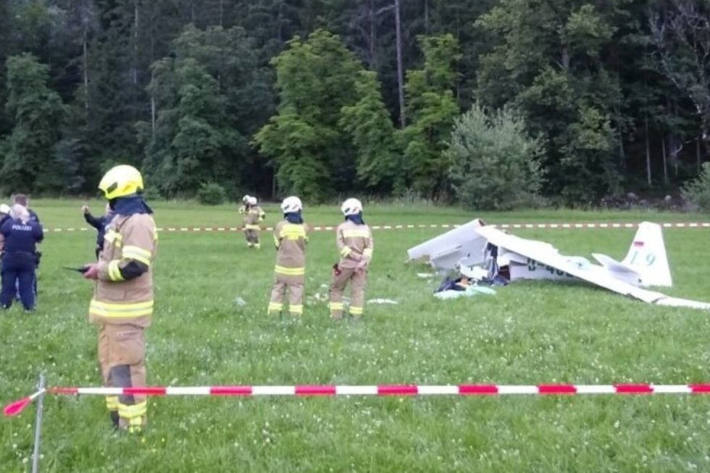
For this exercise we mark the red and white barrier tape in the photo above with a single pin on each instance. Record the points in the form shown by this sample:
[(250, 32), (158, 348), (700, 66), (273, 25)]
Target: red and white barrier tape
[(602, 225), (391, 390), (309, 390)]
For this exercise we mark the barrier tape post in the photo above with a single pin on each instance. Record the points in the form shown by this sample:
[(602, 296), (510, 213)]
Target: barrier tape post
[(38, 425), (308, 390)]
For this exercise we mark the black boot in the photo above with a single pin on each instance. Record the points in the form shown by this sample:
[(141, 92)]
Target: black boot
[(114, 419)]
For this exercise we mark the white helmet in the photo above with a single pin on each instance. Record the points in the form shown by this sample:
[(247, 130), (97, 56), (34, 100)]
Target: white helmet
[(291, 204), (4, 209), (251, 200), (351, 207), (245, 199)]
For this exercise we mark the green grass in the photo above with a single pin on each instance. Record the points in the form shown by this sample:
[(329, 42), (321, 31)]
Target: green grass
[(527, 333)]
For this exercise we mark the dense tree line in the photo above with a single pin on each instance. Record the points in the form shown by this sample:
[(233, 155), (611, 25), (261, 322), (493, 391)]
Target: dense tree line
[(385, 97)]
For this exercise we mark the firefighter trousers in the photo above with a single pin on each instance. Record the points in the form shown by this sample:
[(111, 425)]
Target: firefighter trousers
[(294, 286), (252, 237), (340, 279), (122, 361)]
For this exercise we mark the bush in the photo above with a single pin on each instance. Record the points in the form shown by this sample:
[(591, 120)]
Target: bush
[(211, 194), (697, 191), (494, 163), (152, 193)]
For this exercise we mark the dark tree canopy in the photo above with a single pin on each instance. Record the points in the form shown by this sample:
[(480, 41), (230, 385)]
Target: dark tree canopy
[(329, 97)]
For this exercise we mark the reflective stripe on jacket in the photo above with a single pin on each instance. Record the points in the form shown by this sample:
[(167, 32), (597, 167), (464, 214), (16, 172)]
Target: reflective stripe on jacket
[(128, 238), (290, 240), (252, 217), (354, 243)]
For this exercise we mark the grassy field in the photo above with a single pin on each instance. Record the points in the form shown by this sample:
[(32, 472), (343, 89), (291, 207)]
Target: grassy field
[(528, 333)]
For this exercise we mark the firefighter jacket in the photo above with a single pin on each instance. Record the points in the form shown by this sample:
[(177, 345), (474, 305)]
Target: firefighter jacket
[(252, 216), (355, 244), (290, 240), (124, 290)]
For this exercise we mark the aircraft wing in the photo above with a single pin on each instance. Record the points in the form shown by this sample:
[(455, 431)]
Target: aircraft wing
[(460, 246), (591, 273)]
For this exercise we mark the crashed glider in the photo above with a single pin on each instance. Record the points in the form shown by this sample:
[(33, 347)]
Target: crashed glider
[(476, 244)]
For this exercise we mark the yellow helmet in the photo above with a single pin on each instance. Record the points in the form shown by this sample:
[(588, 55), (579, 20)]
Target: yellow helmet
[(121, 181)]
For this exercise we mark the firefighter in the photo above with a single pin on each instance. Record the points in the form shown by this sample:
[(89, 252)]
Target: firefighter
[(253, 214), (20, 234), (99, 223), (355, 244), (290, 237), (122, 305)]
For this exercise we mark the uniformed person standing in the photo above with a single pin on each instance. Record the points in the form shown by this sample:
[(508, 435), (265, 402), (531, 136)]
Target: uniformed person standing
[(290, 237), (355, 244), (20, 235), (99, 223), (23, 200), (253, 214), (122, 305)]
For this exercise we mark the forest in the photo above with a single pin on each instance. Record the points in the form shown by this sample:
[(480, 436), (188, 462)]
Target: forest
[(490, 103)]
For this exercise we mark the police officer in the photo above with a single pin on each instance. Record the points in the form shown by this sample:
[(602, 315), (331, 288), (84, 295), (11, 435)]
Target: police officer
[(20, 236), (122, 305), (24, 201), (99, 223), (355, 244), (290, 237)]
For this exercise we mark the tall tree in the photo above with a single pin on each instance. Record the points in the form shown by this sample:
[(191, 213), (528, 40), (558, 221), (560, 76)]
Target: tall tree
[(315, 79), (372, 132), (548, 60), (37, 111), (681, 33), (205, 95), (433, 108)]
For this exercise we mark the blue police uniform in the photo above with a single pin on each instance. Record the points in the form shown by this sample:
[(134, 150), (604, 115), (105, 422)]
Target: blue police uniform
[(19, 260)]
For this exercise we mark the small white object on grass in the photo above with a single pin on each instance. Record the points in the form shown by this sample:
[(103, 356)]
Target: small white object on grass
[(382, 301), (239, 301)]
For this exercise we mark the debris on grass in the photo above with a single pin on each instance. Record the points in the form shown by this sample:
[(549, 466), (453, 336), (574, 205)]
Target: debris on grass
[(382, 301), (469, 292)]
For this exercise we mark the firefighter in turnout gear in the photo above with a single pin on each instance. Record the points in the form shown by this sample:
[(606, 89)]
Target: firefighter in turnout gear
[(290, 237), (253, 214), (122, 305), (355, 244)]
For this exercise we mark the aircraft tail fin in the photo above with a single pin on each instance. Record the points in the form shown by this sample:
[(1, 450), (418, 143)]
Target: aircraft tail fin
[(647, 256)]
